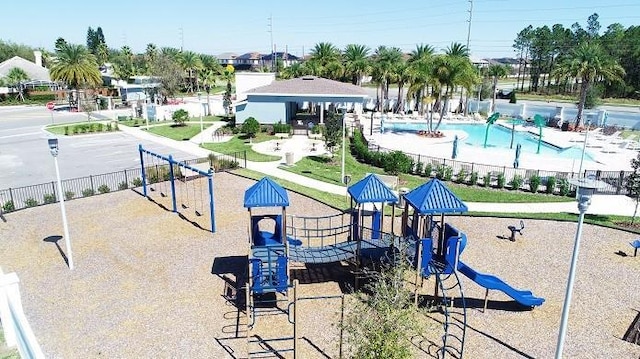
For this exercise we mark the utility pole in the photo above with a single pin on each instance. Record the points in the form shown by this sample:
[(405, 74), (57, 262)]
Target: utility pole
[(469, 21), (271, 36), (181, 33)]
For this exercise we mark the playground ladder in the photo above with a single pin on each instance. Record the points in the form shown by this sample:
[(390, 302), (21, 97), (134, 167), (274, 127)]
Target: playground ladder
[(274, 308), (455, 313)]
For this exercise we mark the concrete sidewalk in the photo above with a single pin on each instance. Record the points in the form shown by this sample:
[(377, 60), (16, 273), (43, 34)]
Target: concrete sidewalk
[(601, 204)]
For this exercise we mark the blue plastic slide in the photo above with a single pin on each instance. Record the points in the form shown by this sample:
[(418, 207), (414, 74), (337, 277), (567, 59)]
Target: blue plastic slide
[(488, 281)]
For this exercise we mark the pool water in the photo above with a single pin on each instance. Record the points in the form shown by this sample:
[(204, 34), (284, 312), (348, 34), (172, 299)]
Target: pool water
[(499, 137)]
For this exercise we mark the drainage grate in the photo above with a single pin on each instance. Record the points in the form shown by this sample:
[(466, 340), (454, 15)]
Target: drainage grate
[(633, 333)]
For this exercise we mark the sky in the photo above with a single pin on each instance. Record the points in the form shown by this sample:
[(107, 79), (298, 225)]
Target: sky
[(214, 27)]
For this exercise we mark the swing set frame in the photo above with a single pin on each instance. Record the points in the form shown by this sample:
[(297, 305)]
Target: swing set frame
[(208, 174)]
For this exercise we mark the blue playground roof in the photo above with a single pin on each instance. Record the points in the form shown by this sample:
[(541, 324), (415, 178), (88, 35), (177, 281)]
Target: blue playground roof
[(434, 197), (266, 193), (372, 190)]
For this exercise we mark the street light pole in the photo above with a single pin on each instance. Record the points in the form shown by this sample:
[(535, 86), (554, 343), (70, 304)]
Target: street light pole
[(201, 124), (585, 190), (53, 147), (344, 127), (584, 148)]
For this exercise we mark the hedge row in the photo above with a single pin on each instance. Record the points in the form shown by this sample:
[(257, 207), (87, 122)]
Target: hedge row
[(397, 162)]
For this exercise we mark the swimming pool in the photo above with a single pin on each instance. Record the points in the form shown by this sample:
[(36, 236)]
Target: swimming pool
[(499, 137)]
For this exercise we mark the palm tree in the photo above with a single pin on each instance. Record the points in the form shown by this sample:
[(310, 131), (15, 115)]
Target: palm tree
[(191, 63), (102, 53), (496, 71), (385, 60), (209, 78), (457, 49), (356, 62), (447, 73), (14, 78), (589, 63), (323, 54), (171, 52), (76, 66), (418, 72)]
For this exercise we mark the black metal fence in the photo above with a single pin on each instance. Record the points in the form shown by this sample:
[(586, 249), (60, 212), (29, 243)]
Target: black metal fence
[(490, 175), (13, 199)]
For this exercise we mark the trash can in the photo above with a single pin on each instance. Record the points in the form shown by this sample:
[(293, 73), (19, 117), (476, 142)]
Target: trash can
[(401, 192), (289, 158)]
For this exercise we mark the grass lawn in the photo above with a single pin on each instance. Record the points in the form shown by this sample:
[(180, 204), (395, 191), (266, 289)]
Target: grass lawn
[(59, 129), (322, 169), (334, 200), (240, 143), (342, 203), (178, 133), (574, 99), (140, 122)]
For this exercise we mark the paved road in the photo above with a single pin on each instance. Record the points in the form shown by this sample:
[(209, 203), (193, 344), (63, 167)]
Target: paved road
[(25, 158)]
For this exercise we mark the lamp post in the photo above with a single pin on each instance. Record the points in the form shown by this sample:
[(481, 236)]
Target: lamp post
[(53, 147), (586, 187), (344, 127), (584, 148), (201, 124)]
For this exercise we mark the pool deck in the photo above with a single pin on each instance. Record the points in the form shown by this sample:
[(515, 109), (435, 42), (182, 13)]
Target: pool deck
[(611, 153)]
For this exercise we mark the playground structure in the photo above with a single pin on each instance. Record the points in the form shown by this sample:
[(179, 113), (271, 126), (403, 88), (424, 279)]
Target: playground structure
[(168, 177), (346, 237)]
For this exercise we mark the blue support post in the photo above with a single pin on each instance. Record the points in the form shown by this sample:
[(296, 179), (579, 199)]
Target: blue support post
[(144, 177), (376, 221), (173, 184), (211, 202)]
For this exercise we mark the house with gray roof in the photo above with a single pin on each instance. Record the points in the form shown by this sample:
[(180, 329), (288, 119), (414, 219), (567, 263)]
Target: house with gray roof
[(34, 71), (280, 100)]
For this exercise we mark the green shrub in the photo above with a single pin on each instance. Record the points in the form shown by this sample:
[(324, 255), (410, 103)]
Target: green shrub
[(500, 180), (419, 168), (75, 130), (428, 170), (68, 195), (115, 126), (66, 130), (104, 189), (516, 182), (250, 127), (137, 182), (8, 206), (92, 128), (31, 202), (282, 127), (461, 176), (397, 162), (473, 180), (49, 198), (123, 185), (100, 127), (486, 180), (563, 187), (41, 96), (88, 192), (550, 185), (534, 183), (109, 127), (444, 173), (179, 117)]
